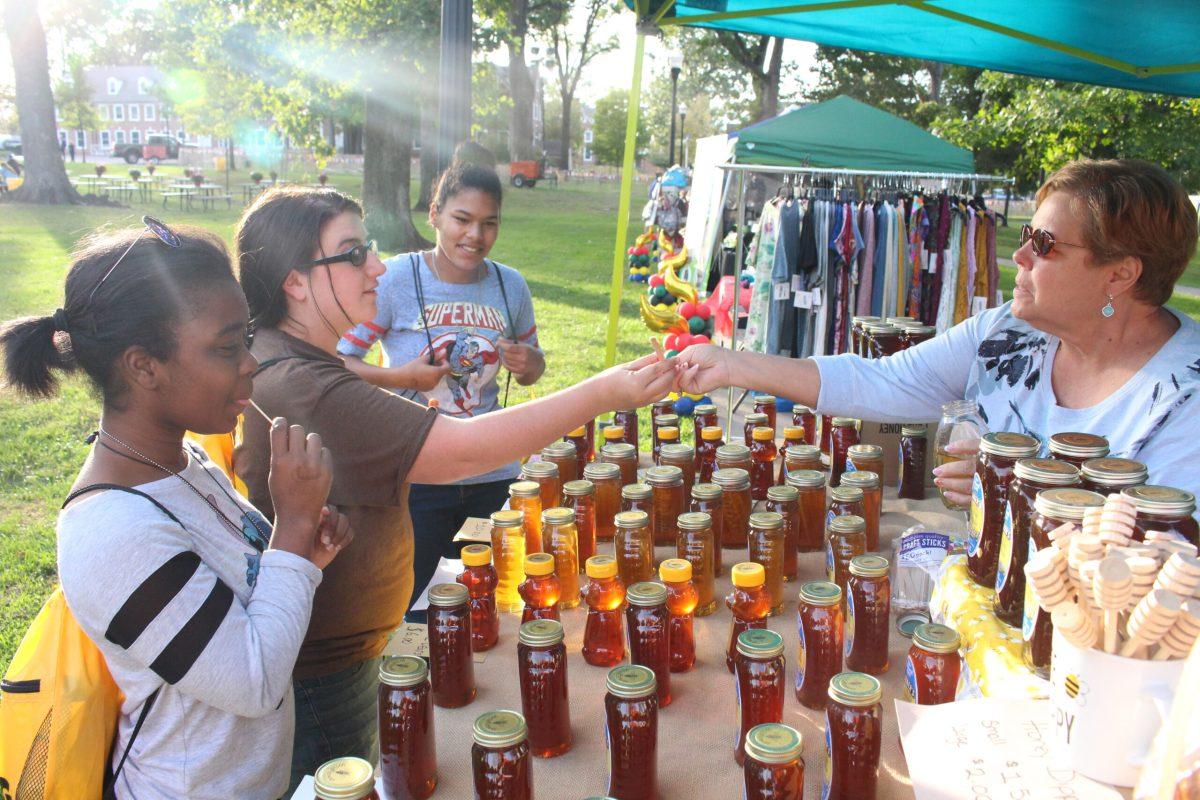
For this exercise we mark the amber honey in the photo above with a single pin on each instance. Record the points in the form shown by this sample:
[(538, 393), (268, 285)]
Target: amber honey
[(634, 547), (696, 546), (810, 484), (566, 457), (540, 590), (843, 436), (525, 497), (580, 497), (762, 462), (407, 745), (604, 631), (625, 456), (500, 762), (868, 615), (631, 732), (479, 576), (648, 623), (542, 671), (854, 735), (666, 485), (820, 626), (749, 601), (785, 501), (708, 498), (607, 480), (761, 674), (767, 543), (736, 505), (545, 475), (451, 666), (932, 671), (872, 489), (560, 538), (998, 454)]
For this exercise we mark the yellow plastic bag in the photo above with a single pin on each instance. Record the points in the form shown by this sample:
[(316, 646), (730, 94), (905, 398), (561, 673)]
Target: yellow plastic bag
[(58, 711)]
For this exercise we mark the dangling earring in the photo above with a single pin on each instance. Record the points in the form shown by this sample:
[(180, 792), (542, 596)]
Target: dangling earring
[(1108, 309)]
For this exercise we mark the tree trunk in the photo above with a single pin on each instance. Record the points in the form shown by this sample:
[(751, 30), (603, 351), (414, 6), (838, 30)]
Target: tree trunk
[(429, 156), (565, 149), (520, 85), (769, 99), (389, 125), (46, 178), (935, 69)]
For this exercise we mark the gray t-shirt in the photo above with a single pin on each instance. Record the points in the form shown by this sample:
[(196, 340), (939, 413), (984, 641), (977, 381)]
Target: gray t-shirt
[(201, 613), (461, 320)]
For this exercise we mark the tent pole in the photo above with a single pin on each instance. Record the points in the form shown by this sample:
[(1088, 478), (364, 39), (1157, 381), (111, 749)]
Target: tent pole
[(735, 309), (627, 174)]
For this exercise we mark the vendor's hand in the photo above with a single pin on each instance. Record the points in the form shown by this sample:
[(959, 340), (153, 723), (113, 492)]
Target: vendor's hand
[(704, 367), (333, 534), (955, 477), (520, 359), (419, 374), (637, 383)]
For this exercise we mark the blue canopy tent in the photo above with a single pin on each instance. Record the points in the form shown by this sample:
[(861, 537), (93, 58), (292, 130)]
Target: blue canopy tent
[(1149, 47)]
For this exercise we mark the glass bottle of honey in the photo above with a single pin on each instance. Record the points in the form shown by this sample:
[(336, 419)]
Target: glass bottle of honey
[(625, 456), (868, 615), (542, 672), (637, 497), (407, 745), (768, 539), (607, 480), (749, 423), (736, 505), (843, 437), (820, 625), (648, 623), (627, 421), (706, 452), (682, 597), (508, 552), (749, 601), (811, 486), (765, 404), (666, 430), (785, 501), (774, 765), (708, 498), (933, 667), (847, 538), (580, 497), (634, 547), (545, 475), (762, 462), (525, 497), (479, 577), (854, 734), (540, 589), (695, 545), (734, 455), (683, 457), (998, 454), (631, 732), (806, 419), (703, 416), (561, 540), (583, 448), (666, 484), (451, 666), (566, 457), (500, 763), (604, 631), (872, 489), (761, 674)]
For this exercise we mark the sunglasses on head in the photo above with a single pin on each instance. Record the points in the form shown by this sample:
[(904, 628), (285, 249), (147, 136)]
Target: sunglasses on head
[(357, 255), (157, 230), (1043, 240)]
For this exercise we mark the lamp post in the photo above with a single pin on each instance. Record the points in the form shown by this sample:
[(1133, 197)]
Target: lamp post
[(683, 137), (676, 68)]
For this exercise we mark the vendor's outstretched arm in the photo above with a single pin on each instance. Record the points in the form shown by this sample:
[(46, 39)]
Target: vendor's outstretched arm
[(459, 448), (417, 374)]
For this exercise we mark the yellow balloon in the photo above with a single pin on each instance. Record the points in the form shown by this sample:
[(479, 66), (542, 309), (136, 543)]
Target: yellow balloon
[(693, 396)]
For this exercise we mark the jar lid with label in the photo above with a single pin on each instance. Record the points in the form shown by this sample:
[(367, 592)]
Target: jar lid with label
[(447, 595), (773, 743), (821, 593), (540, 633), (403, 671), (631, 681), (759, 643), (694, 521), (855, 689), (1078, 445), (646, 593), (1008, 445), (1066, 504), (1115, 471), (1165, 500), (500, 729)]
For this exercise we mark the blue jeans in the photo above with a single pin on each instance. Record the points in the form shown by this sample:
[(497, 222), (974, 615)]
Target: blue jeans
[(336, 715), (438, 512)]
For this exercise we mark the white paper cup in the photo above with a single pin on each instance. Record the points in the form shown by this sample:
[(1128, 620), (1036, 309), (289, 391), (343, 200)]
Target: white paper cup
[(1107, 709)]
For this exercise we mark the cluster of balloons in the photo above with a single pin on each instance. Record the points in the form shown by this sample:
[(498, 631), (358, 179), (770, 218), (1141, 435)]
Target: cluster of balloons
[(641, 258)]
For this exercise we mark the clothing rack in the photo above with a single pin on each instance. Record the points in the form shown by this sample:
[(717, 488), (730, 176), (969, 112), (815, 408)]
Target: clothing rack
[(741, 170)]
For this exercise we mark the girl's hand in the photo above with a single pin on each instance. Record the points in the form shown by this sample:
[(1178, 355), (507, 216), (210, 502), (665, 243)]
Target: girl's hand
[(954, 478), (299, 480), (333, 534), (520, 359), (419, 374), (637, 383), (703, 368)]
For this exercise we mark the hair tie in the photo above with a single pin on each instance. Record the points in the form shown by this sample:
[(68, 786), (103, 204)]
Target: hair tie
[(60, 320)]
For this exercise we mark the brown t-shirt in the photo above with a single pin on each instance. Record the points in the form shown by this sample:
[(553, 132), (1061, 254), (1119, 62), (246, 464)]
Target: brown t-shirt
[(374, 437)]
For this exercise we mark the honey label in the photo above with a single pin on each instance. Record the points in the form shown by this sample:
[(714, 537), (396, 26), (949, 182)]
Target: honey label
[(1030, 609), (1004, 561), (910, 680), (830, 570), (827, 778), (850, 466), (976, 530), (801, 657), (849, 628)]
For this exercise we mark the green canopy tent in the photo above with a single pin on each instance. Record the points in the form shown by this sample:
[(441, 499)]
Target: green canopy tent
[(844, 132), (1129, 44)]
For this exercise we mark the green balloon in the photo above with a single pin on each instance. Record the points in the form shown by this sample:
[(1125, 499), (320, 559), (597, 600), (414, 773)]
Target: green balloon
[(696, 325)]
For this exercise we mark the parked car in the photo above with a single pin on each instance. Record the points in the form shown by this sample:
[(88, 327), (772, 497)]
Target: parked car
[(11, 144), (157, 147)]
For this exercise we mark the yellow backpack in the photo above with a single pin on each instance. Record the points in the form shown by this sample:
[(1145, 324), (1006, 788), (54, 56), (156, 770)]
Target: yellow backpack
[(59, 706)]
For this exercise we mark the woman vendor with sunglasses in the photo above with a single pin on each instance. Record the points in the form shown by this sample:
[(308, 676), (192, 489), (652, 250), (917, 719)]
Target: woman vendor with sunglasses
[(1087, 343), (296, 253)]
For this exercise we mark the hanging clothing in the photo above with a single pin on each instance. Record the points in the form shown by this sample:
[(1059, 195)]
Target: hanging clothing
[(760, 261), (787, 256)]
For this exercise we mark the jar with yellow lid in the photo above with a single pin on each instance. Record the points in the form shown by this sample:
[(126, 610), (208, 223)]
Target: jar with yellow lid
[(479, 576), (749, 601)]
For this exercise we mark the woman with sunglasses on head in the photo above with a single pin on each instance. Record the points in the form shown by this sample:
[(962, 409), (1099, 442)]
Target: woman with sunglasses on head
[(304, 291), (198, 606), (1087, 343), (454, 305)]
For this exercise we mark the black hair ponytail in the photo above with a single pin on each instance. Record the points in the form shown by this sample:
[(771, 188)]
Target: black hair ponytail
[(32, 355)]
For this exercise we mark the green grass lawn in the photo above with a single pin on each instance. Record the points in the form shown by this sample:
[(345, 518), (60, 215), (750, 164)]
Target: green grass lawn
[(559, 238)]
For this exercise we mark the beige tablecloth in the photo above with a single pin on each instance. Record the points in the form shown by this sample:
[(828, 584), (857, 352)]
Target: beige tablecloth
[(697, 731)]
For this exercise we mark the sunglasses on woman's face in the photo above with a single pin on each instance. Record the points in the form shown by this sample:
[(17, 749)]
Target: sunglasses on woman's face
[(1043, 240), (357, 255)]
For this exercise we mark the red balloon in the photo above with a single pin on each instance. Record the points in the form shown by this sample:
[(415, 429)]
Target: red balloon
[(656, 280), (671, 342), (700, 338), (683, 340), (687, 310), (703, 311)]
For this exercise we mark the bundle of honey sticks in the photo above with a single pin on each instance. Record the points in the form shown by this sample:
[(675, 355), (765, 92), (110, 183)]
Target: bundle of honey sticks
[(1103, 590)]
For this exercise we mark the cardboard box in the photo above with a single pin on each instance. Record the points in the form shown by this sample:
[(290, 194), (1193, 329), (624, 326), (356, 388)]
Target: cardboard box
[(887, 436)]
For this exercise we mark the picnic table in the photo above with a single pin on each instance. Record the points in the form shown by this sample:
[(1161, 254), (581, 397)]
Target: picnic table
[(253, 190)]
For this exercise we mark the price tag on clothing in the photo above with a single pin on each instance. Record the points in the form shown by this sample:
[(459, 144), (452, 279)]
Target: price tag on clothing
[(978, 305), (781, 291), (796, 283), (816, 296), (802, 300), (475, 529), (410, 639)]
